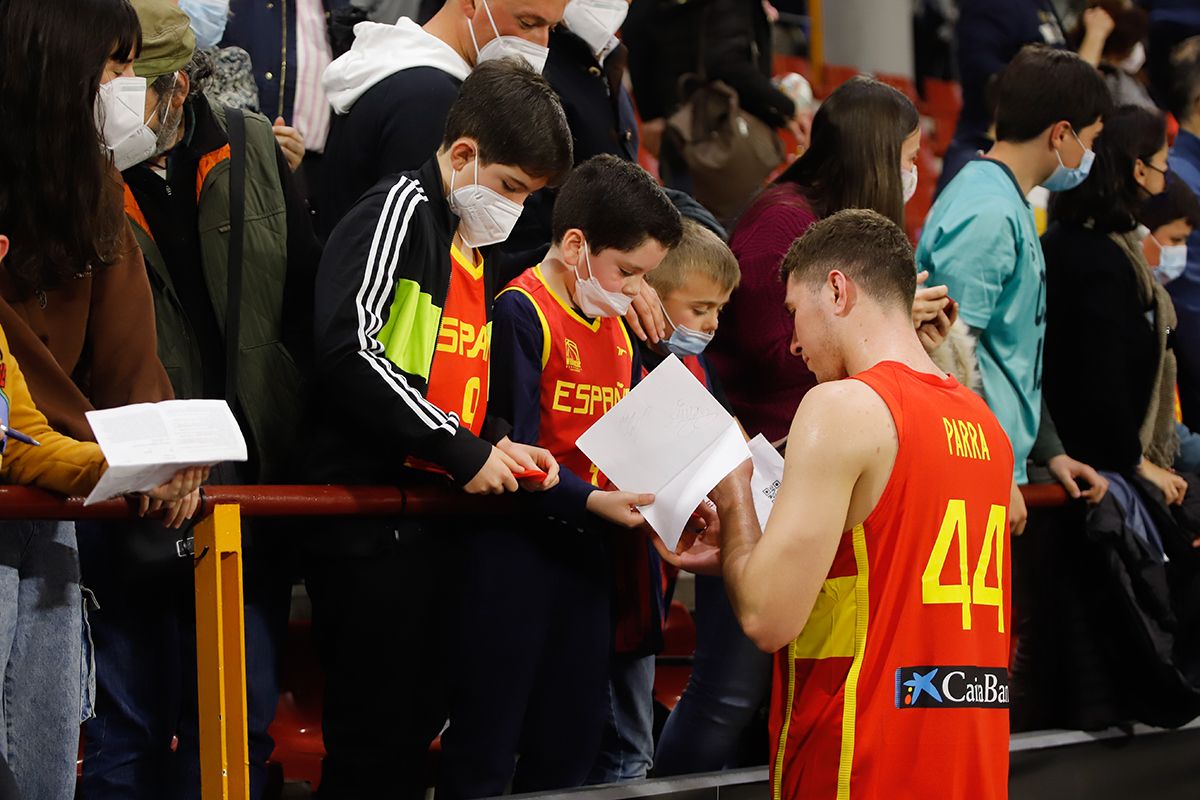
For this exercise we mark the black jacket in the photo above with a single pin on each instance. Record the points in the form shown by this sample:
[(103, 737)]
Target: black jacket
[(1101, 350), (394, 243), (396, 126), (663, 42)]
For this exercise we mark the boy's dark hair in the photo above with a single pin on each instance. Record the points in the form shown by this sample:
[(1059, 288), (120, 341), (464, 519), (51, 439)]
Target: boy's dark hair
[(699, 252), (1042, 86), (865, 245), (516, 118), (1185, 78), (1110, 198), (617, 205), (1177, 202)]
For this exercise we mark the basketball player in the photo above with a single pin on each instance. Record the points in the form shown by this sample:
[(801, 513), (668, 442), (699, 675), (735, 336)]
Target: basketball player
[(883, 577)]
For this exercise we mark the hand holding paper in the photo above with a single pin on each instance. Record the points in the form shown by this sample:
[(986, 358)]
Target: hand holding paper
[(163, 448)]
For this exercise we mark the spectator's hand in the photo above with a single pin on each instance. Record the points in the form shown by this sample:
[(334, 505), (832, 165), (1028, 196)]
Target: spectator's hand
[(652, 131), (800, 127), (181, 485), (645, 317), (1018, 514), (771, 11), (1097, 23), (933, 333), (1067, 470), (290, 142), (530, 457), (495, 476), (928, 301), (619, 508), (1172, 485)]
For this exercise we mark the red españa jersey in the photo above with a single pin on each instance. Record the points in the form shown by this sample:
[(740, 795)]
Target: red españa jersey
[(897, 687), (458, 375), (587, 366)]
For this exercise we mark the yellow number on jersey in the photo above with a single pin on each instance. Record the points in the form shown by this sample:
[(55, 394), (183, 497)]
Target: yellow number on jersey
[(954, 526)]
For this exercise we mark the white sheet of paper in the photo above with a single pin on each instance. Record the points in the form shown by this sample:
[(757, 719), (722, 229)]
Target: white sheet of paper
[(668, 436), (147, 443), (768, 473)]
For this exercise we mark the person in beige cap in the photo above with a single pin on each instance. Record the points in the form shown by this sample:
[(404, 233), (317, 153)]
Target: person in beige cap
[(178, 201)]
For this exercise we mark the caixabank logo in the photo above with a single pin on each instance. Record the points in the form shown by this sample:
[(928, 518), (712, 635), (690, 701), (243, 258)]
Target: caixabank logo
[(951, 687)]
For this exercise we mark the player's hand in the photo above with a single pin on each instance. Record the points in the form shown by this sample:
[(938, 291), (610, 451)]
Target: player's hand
[(645, 316), (699, 547), (733, 487), (1068, 471), (290, 142), (1018, 514), (1172, 485), (530, 457), (928, 301), (619, 508), (495, 476)]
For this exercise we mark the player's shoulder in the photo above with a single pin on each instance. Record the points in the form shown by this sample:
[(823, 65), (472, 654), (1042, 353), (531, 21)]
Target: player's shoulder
[(845, 416)]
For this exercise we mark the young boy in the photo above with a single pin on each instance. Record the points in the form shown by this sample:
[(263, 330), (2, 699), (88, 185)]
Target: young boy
[(694, 282), (980, 240), (403, 332), (1171, 217), (531, 682)]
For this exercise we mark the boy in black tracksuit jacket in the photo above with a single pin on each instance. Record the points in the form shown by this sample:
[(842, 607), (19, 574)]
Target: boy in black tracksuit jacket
[(402, 337)]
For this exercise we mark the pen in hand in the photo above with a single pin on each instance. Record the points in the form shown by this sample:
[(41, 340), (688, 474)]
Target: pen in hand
[(20, 437)]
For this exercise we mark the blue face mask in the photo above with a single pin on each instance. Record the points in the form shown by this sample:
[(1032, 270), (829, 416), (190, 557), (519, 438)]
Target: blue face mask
[(208, 20), (685, 341), (1064, 178)]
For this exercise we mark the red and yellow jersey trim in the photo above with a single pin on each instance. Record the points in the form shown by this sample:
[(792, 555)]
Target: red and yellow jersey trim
[(471, 268), (592, 326), (541, 318)]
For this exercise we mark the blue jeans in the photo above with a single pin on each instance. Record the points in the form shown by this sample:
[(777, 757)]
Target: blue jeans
[(730, 679), (41, 652), (627, 751), (145, 636)]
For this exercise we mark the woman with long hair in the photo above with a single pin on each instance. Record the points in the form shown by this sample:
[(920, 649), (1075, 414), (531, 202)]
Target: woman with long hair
[(75, 304), (865, 139), (1113, 400)]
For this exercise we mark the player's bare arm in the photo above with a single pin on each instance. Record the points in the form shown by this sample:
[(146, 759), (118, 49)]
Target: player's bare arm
[(841, 448)]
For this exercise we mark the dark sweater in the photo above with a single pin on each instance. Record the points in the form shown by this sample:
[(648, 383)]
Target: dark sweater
[(396, 126), (1101, 353), (751, 352)]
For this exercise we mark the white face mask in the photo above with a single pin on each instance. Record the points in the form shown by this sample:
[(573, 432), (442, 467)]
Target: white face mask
[(592, 298), (119, 117), (507, 46), (1136, 59), (484, 216), (1172, 261), (909, 181), (595, 21)]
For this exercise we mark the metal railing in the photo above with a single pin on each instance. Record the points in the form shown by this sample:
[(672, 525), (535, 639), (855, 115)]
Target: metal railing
[(220, 626)]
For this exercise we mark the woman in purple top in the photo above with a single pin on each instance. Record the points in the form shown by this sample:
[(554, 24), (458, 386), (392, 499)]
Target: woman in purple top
[(865, 139)]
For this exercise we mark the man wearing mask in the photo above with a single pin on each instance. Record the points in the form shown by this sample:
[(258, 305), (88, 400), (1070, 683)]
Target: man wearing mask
[(391, 93), (181, 200)]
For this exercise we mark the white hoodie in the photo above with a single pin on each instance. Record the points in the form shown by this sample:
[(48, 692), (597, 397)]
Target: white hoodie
[(380, 51)]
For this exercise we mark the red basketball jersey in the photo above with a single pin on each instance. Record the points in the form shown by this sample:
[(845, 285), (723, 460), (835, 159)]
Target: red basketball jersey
[(898, 685), (587, 366)]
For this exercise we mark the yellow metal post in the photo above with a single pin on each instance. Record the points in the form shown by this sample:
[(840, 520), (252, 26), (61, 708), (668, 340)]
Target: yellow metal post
[(220, 657)]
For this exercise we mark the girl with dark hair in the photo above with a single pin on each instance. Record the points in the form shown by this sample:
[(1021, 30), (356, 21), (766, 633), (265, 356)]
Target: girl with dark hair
[(75, 304), (1113, 400), (865, 139)]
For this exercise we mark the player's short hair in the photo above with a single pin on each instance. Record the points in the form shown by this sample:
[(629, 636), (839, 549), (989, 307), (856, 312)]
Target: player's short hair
[(617, 205), (699, 252), (1042, 86), (868, 247), (515, 116)]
